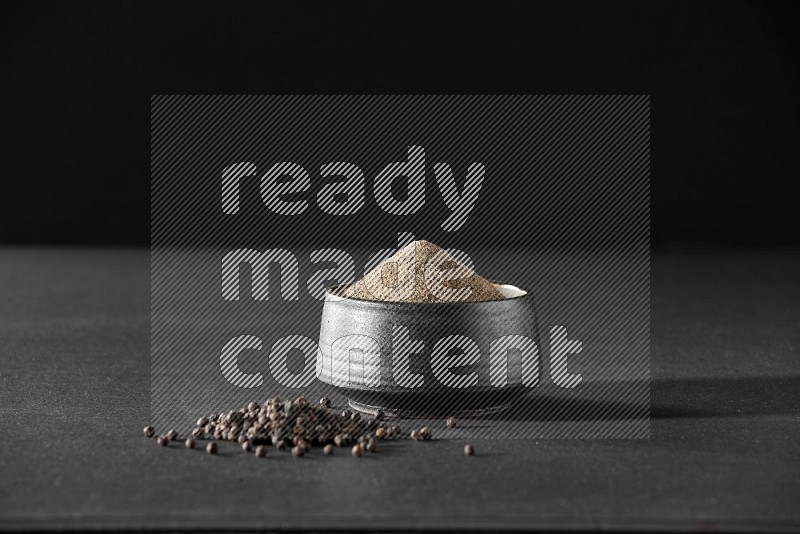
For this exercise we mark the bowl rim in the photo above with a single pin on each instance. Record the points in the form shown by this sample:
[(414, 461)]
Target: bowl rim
[(330, 290)]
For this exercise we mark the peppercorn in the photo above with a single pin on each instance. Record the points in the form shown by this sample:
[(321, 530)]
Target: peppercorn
[(425, 433), (197, 432), (261, 450), (356, 450), (203, 421), (242, 439), (451, 422), (355, 416), (246, 446), (163, 441), (415, 435), (328, 450), (380, 433), (189, 443), (346, 414), (372, 445), (253, 406), (211, 448), (172, 435), (149, 431), (298, 451), (469, 450), (325, 402)]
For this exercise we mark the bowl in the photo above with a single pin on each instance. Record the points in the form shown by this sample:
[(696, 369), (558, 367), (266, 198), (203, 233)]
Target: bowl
[(429, 359)]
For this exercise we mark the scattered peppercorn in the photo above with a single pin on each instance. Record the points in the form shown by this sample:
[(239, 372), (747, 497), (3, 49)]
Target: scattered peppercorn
[(261, 451), (149, 431), (297, 425), (163, 441), (189, 443), (451, 422), (469, 450)]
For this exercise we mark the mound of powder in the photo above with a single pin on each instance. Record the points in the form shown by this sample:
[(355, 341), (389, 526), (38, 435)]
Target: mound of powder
[(423, 272)]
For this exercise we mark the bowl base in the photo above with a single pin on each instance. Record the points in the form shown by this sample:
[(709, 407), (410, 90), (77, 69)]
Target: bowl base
[(427, 404), (404, 413)]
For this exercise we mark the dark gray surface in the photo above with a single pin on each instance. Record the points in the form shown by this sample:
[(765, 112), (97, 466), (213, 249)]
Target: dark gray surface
[(723, 452)]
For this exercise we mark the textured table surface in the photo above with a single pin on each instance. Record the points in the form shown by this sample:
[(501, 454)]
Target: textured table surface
[(724, 449)]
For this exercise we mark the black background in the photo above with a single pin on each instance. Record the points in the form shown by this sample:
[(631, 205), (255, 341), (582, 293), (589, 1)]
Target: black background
[(78, 79)]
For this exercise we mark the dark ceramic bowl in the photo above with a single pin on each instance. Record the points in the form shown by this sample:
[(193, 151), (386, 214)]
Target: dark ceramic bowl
[(393, 356)]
